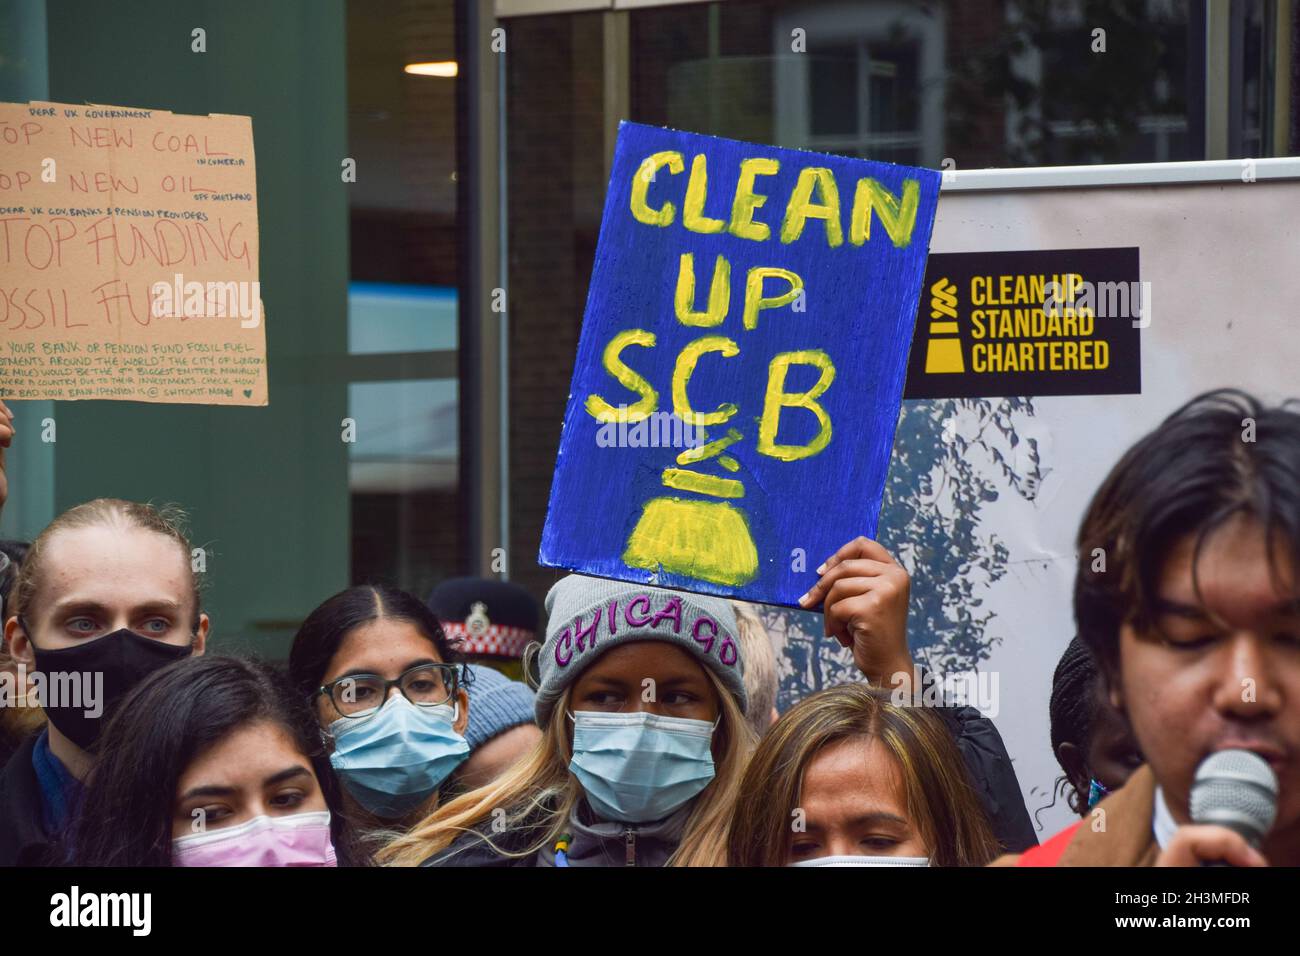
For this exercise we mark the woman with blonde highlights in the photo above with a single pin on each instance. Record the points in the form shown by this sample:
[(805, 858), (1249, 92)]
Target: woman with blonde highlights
[(641, 702), (845, 777)]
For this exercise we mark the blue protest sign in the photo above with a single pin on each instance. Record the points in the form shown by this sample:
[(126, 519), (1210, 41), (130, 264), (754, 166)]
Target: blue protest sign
[(741, 363)]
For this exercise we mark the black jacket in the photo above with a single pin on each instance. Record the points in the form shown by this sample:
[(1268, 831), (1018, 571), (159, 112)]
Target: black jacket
[(993, 777), (988, 767), (23, 839)]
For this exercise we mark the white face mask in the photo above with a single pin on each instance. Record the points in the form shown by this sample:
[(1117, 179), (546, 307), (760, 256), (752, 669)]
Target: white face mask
[(865, 861), (638, 766)]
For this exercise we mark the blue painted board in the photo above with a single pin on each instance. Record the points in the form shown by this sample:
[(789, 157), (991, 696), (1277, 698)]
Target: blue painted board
[(741, 363)]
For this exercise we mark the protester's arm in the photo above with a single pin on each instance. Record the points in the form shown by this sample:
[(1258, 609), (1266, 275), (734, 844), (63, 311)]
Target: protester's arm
[(865, 593), (6, 439)]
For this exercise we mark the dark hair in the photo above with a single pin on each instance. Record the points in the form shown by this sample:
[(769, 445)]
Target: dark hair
[(125, 814), (15, 551), (1073, 705), (320, 636), (1220, 455)]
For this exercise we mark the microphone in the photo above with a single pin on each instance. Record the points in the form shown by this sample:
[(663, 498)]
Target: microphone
[(1236, 789)]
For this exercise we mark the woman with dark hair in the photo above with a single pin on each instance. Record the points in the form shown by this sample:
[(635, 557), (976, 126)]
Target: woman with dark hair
[(389, 693), (211, 762), (1091, 740)]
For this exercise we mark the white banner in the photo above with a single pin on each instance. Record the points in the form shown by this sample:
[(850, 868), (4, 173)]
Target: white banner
[(986, 495)]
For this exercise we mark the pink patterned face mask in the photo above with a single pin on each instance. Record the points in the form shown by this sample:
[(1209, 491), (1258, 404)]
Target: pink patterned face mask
[(300, 839)]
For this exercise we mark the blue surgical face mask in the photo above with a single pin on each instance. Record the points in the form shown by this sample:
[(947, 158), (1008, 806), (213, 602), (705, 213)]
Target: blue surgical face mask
[(1096, 792), (640, 766), (865, 861), (393, 760)]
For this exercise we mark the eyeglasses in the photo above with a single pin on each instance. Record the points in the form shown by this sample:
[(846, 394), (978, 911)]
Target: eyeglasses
[(425, 685)]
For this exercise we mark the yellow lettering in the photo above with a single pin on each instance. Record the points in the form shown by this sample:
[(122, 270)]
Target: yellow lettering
[(1022, 290), (897, 215), (755, 302), (697, 188), (600, 409), (801, 207), (641, 181), (685, 367), (746, 201), (719, 293), (778, 398)]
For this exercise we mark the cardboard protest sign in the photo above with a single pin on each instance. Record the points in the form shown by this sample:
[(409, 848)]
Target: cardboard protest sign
[(129, 255), (740, 366)]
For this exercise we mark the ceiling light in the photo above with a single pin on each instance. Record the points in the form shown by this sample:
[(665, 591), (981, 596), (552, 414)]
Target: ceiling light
[(445, 68)]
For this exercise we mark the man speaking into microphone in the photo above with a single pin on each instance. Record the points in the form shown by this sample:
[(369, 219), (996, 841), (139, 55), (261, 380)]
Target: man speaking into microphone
[(1188, 595)]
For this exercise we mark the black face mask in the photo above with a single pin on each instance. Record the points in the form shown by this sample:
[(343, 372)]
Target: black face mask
[(124, 658)]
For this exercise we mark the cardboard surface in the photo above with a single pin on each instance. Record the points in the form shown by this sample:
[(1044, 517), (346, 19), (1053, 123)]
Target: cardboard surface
[(129, 256)]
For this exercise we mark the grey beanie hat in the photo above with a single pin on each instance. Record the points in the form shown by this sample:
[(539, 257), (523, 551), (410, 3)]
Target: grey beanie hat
[(496, 703), (587, 616)]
